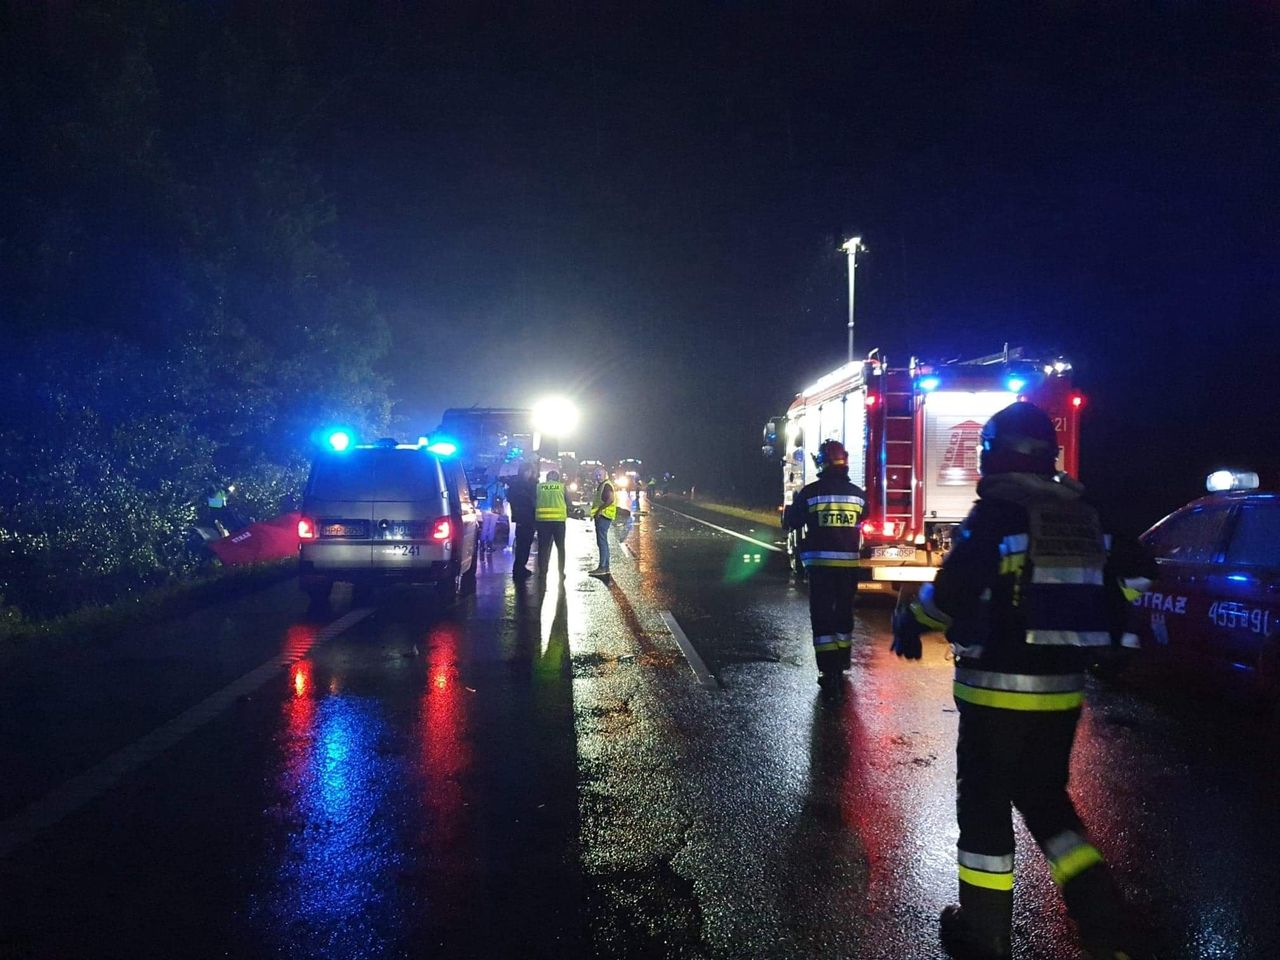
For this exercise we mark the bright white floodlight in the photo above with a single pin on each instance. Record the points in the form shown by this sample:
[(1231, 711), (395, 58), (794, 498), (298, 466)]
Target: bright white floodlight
[(555, 417)]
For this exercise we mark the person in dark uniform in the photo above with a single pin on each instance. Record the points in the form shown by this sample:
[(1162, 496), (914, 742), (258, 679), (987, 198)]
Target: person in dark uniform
[(827, 513), (522, 493), (1026, 596)]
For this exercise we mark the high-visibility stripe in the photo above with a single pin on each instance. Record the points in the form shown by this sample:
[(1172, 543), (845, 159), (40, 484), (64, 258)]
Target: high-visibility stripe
[(1060, 844), (1071, 865), (1015, 543), (1016, 700), (985, 861), (1130, 640), (550, 503), (1021, 682), (827, 641), (923, 618), (1086, 575), (836, 498), (986, 880), (1069, 638), (927, 612), (1141, 584)]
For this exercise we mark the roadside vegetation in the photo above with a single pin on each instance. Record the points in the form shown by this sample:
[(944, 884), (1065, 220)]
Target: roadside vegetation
[(178, 316)]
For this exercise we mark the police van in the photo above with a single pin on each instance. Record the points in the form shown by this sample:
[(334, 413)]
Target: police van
[(387, 512)]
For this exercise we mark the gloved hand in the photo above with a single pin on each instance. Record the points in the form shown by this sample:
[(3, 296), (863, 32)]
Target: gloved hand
[(906, 635)]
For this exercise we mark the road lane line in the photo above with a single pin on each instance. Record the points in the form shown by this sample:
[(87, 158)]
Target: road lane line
[(82, 789), (695, 661), (732, 533)]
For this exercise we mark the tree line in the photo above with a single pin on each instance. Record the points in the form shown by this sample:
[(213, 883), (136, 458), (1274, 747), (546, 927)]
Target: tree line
[(177, 313)]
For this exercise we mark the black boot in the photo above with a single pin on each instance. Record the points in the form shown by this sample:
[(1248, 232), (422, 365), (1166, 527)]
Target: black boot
[(1107, 929), (963, 939)]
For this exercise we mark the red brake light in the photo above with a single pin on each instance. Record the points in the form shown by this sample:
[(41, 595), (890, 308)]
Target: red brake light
[(306, 528), (1077, 401), (442, 529), (871, 400), (868, 526)]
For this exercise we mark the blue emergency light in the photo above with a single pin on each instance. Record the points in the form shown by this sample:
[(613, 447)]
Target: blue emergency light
[(928, 384), (1015, 383), (338, 440), (442, 448)]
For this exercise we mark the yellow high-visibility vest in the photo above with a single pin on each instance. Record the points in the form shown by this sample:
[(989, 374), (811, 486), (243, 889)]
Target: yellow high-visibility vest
[(551, 505), (599, 508)]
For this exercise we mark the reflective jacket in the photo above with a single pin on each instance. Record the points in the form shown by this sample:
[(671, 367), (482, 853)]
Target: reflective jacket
[(827, 513), (1025, 592), (601, 509), (551, 504)]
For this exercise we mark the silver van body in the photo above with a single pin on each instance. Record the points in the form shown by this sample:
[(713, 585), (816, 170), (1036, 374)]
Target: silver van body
[(388, 512)]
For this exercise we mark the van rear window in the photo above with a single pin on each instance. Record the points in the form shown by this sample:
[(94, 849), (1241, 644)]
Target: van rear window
[(375, 475)]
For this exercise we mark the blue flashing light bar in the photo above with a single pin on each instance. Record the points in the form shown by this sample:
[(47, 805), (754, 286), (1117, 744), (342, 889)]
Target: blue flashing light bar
[(338, 440), (928, 384), (442, 448), (1015, 384)]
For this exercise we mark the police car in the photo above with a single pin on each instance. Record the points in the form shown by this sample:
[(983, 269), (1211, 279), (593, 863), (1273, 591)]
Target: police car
[(1217, 595)]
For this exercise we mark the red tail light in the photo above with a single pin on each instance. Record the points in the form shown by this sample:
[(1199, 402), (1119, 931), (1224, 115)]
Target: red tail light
[(886, 528), (1077, 401), (306, 528), (441, 530)]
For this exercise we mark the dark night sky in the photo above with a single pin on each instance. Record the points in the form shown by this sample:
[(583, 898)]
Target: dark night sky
[(640, 204)]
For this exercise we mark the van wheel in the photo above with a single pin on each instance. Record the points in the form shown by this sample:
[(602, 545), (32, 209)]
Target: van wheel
[(317, 589), (467, 583), (447, 592)]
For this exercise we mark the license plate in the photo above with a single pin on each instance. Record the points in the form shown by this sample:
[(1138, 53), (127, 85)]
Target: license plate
[(351, 530), (403, 550), (893, 553)]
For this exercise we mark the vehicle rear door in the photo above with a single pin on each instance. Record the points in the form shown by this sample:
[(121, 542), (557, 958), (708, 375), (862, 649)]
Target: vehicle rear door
[(337, 498), (1245, 591), (463, 513), (1188, 547), (409, 498)]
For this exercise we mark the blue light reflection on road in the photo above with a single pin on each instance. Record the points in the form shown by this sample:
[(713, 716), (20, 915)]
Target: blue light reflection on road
[(335, 885)]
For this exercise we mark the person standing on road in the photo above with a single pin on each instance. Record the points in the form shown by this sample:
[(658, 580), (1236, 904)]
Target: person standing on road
[(827, 514), (1024, 595), (604, 510), (522, 493), (551, 510)]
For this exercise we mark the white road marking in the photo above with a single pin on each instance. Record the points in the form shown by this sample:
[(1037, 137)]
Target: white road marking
[(82, 789), (732, 533), (627, 551), (695, 661)]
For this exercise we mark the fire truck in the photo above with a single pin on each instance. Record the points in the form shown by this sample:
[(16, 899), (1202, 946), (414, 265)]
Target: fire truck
[(913, 436)]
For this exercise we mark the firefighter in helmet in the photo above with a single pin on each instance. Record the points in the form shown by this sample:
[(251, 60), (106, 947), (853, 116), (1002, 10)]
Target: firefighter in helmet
[(1026, 596), (827, 513)]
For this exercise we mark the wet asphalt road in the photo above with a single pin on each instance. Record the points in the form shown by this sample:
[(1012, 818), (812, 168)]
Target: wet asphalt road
[(538, 773)]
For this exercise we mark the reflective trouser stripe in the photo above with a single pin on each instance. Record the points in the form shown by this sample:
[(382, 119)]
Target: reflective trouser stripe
[(1017, 700), (828, 641), (844, 640), (1073, 863), (1021, 682), (986, 879), (991, 863)]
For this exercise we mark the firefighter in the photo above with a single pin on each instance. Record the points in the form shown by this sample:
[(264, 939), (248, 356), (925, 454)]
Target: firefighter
[(1026, 596), (827, 514)]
